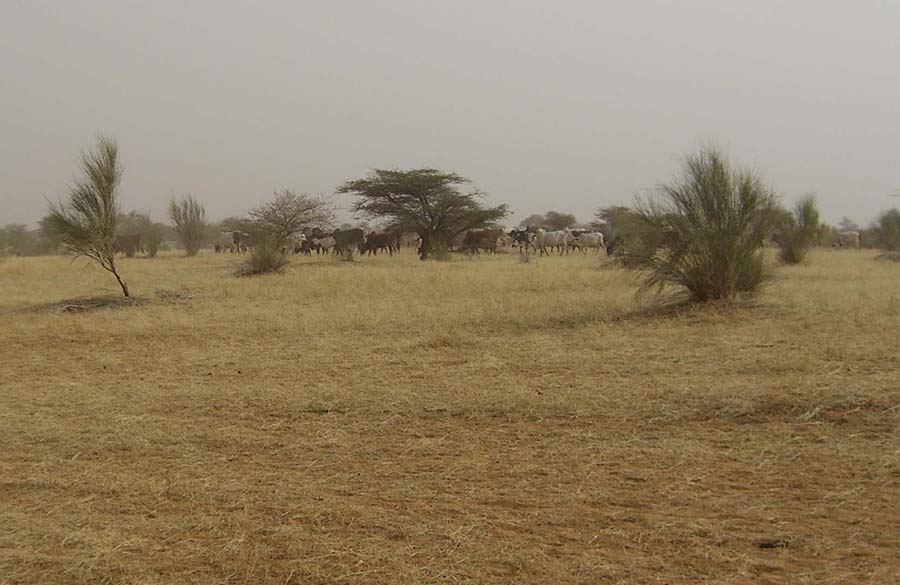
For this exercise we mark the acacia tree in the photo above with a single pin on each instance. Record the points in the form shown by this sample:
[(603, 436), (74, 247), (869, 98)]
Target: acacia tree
[(278, 220), (552, 220), (426, 201), (848, 225), (86, 223), (536, 220), (559, 221), (189, 220)]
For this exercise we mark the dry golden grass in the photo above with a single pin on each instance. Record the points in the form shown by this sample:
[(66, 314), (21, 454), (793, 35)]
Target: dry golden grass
[(478, 421)]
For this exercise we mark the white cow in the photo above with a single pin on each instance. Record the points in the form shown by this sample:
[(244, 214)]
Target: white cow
[(848, 240), (225, 243), (591, 240), (295, 242), (323, 245), (555, 239)]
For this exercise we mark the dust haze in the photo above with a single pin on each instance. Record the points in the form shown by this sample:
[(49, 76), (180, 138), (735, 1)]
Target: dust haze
[(567, 106)]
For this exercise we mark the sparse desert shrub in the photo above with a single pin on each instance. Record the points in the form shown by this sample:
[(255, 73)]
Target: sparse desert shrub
[(797, 231), (152, 233), (86, 223), (615, 223), (889, 231), (704, 232), (189, 220), (265, 258)]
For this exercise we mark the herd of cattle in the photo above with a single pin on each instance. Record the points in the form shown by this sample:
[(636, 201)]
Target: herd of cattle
[(342, 242)]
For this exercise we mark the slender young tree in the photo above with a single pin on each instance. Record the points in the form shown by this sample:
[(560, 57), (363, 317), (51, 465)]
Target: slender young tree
[(426, 201), (86, 223), (189, 220)]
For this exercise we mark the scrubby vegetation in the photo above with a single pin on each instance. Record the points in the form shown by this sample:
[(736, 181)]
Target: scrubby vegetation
[(796, 231), (889, 234), (189, 220), (265, 258), (704, 232)]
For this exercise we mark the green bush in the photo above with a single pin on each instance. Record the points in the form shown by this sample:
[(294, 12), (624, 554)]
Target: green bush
[(264, 259), (704, 233), (189, 219), (797, 231), (889, 230)]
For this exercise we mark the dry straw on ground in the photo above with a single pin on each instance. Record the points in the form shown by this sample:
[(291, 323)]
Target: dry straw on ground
[(483, 421)]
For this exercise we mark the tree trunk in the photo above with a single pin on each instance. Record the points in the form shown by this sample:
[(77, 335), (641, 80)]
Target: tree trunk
[(425, 239), (122, 283)]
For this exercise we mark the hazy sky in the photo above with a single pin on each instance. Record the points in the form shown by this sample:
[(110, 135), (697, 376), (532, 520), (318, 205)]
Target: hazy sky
[(545, 105)]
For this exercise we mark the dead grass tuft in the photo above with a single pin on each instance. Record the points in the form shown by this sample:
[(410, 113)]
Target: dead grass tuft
[(84, 305)]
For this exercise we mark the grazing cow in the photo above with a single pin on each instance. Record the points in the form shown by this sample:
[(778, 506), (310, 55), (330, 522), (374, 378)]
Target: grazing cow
[(322, 244), (225, 243), (129, 244), (482, 239), (591, 241), (552, 240), (345, 241), (380, 241), (241, 242), (848, 240), (457, 241), (523, 238), (396, 239), (296, 242)]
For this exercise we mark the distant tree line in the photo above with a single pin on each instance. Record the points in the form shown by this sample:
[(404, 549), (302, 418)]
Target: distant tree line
[(702, 232)]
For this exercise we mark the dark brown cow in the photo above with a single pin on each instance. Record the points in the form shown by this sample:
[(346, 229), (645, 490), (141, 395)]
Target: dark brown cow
[(345, 241), (380, 241), (483, 239)]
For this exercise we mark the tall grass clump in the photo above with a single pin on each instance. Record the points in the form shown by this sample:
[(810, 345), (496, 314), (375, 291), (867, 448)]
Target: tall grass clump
[(703, 232), (152, 234), (889, 234), (265, 258), (189, 220), (797, 231)]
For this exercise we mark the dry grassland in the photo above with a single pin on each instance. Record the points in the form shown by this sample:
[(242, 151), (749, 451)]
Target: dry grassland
[(477, 421)]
